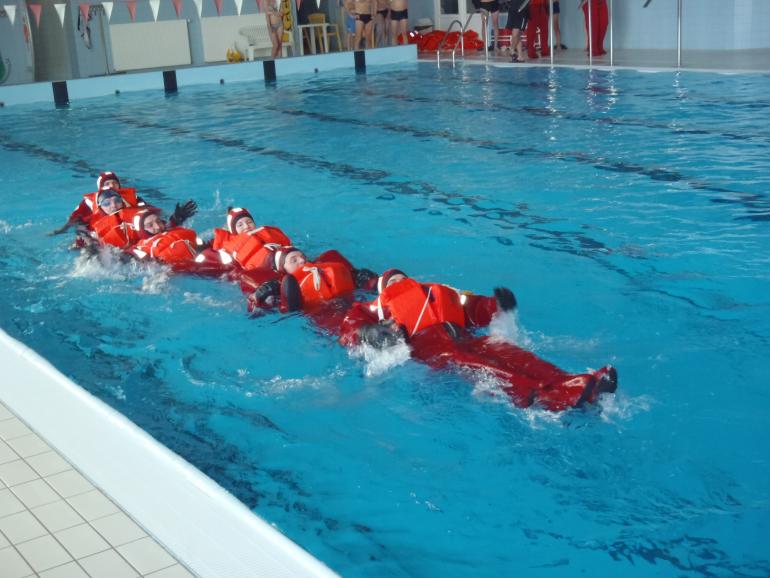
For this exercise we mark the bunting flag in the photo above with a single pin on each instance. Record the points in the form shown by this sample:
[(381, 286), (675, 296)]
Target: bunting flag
[(318, 4), (219, 7), (177, 7), (36, 12), (10, 9), (131, 5), (199, 6), (154, 6), (238, 6), (60, 8), (299, 3), (259, 6), (84, 8), (107, 10)]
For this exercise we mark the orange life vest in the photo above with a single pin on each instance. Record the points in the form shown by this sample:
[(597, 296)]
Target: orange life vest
[(117, 229), (323, 281), (417, 306), (128, 195), (177, 245), (247, 249)]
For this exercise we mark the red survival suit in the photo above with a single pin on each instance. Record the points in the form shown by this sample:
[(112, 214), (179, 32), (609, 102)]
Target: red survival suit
[(182, 249), (327, 277), (538, 19), (436, 319), (88, 209), (599, 23), (120, 229), (249, 249)]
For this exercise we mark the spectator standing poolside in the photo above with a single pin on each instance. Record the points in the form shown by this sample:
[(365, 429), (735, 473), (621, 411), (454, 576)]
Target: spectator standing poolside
[(364, 23), (518, 12), (382, 22), (556, 30), (492, 7), (274, 26), (399, 20), (349, 10)]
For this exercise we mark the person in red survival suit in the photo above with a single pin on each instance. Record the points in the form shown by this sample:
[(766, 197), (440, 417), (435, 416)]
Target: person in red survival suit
[(89, 206), (599, 23), (435, 320), (174, 245), (295, 283), (243, 242), (538, 20)]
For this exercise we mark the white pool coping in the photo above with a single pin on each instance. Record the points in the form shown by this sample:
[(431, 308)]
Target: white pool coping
[(205, 527)]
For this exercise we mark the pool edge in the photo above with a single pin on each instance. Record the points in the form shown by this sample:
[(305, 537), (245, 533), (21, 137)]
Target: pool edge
[(218, 536)]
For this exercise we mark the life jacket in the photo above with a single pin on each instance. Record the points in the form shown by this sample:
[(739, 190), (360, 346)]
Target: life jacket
[(118, 229), (248, 249), (128, 195), (177, 245), (417, 306), (323, 281)]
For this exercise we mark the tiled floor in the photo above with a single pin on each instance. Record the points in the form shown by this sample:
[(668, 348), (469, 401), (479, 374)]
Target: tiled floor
[(55, 524)]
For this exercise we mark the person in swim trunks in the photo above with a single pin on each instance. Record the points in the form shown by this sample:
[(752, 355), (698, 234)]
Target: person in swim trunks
[(274, 26), (492, 8), (382, 22), (556, 30), (364, 23), (399, 20)]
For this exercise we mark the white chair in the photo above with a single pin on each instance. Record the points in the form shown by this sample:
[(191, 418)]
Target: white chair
[(258, 38)]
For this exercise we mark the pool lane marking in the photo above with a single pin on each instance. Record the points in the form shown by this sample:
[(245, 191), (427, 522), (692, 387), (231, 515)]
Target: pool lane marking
[(80, 166), (753, 202)]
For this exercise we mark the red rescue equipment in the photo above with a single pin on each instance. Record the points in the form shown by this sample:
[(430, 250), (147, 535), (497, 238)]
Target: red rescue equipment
[(322, 281), (175, 246), (248, 249), (417, 306)]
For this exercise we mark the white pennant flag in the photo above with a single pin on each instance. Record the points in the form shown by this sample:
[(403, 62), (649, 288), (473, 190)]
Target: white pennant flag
[(238, 6), (199, 6), (318, 4), (11, 11), (107, 10), (154, 5), (60, 8)]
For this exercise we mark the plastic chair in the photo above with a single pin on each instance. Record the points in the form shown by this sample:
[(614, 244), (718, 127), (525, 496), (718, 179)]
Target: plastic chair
[(331, 30)]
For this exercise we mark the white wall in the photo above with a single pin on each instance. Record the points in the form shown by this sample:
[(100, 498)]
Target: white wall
[(14, 50)]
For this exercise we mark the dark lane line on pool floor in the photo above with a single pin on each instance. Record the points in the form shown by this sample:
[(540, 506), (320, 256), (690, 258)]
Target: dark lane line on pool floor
[(757, 205), (77, 166)]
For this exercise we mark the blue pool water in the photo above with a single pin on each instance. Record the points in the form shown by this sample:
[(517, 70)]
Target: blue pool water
[(628, 211)]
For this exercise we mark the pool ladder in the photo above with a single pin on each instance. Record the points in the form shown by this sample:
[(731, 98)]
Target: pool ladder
[(462, 40)]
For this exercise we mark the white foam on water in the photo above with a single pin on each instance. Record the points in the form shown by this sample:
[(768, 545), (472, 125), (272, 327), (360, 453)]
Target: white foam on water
[(206, 301), (619, 407), (379, 361), (505, 327)]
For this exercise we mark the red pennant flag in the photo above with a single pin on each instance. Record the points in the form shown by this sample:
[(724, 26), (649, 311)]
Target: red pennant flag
[(219, 7), (177, 7), (132, 9), (259, 5), (84, 11), (299, 3), (36, 8)]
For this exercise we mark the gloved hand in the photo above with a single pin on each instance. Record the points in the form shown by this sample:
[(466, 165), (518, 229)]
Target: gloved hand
[(506, 300), (364, 278), (184, 212), (380, 335), (267, 294)]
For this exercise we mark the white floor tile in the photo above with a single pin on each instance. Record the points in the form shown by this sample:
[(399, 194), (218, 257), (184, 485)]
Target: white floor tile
[(69, 483), (146, 555), (107, 564), (171, 572), (71, 570), (92, 505), (57, 516), (118, 529), (13, 565), (29, 445), (13, 428), (81, 541), (35, 493), (17, 472), (5, 413), (48, 463), (9, 503), (21, 527), (6, 453), (43, 553)]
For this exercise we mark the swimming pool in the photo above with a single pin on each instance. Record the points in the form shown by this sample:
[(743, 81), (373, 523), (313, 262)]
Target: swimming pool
[(628, 212)]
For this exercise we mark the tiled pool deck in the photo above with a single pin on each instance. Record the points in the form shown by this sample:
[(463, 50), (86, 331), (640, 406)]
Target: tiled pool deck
[(54, 523)]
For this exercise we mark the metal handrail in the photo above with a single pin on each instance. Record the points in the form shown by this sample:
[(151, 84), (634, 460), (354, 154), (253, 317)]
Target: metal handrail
[(462, 40), (443, 40)]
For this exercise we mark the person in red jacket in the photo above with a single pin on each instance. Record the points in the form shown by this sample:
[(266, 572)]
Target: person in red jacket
[(599, 23), (436, 321), (90, 205), (245, 243), (538, 23)]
